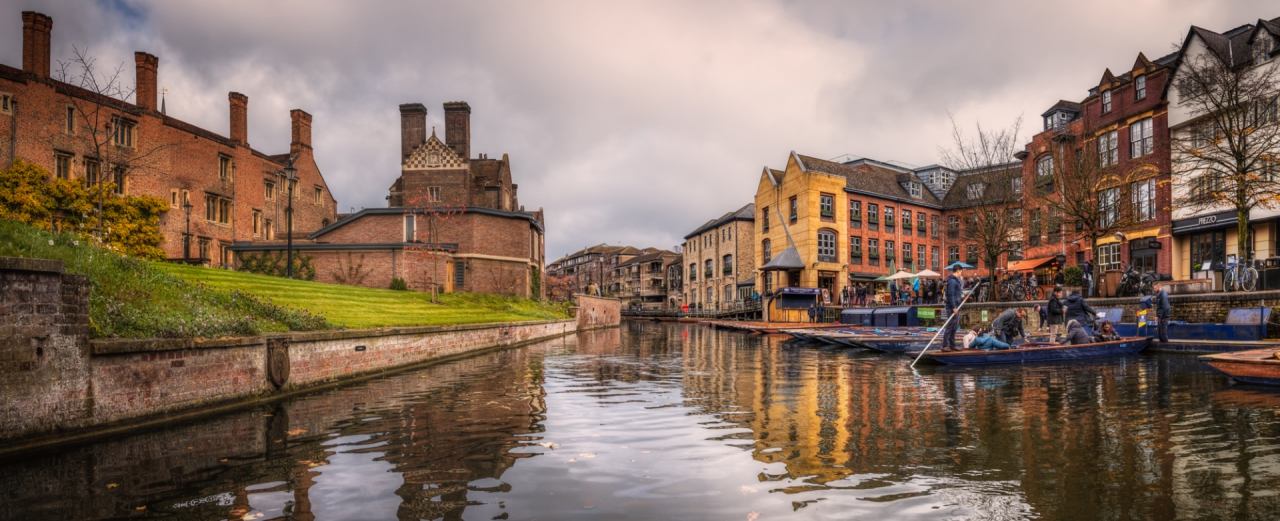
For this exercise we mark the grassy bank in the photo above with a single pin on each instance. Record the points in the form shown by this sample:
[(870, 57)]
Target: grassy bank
[(133, 298), (357, 307)]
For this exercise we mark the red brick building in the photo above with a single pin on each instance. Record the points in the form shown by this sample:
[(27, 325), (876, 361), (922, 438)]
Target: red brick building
[(453, 223), (237, 192)]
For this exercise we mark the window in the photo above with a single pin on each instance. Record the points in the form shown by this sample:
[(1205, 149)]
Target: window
[(62, 165), (1140, 87), (1044, 167), (1033, 232), (1017, 185), (953, 226), (709, 265), (1204, 134), (1108, 206), (1015, 250), (92, 172), (459, 274), (855, 250), (71, 120), (257, 223), (1108, 149), (827, 206), (888, 219), (1144, 199), (764, 224), (204, 248), (270, 190), (1109, 256), (975, 190), (217, 209), (727, 264), (906, 222), (953, 254), (6, 103), (117, 178), (873, 252), (906, 252), (1015, 217), (933, 226), (1262, 48), (1106, 101), (764, 247), (122, 131), (318, 198), (1055, 226), (889, 252), (971, 254), (793, 209), (826, 246), (1141, 139), (224, 211), (855, 214), (224, 168), (173, 198), (433, 193), (693, 272), (933, 258), (873, 217)]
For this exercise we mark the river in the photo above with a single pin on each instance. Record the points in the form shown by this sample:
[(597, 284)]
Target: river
[(663, 421)]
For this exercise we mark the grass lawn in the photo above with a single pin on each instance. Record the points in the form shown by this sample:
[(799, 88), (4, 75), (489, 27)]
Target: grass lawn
[(357, 307)]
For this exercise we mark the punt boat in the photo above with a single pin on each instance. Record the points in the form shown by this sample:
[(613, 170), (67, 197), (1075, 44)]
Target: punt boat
[(1043, 352), (1259, 366)]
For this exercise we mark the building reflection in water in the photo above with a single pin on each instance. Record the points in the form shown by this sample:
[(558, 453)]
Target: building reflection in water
[(836, 432)]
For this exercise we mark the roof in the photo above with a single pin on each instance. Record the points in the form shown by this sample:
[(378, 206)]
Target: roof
[(873, 178), (789, 259), (999, 186), (1062, 105), (397, 210), (648, 257), (746, 213)]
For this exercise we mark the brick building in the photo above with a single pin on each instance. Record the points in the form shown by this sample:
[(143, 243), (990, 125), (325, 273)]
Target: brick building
[(644, 282), (237, 192), (454, 222), (719, 258), (596, 265)]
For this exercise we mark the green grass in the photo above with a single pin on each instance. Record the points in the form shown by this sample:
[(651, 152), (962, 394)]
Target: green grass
[(358, 307)]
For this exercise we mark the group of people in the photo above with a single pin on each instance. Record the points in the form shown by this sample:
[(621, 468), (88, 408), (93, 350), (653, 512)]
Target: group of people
[(862, 294), (1073, 312)]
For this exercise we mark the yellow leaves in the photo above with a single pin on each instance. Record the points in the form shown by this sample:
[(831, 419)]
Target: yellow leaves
[(295, 432), (112, 485)]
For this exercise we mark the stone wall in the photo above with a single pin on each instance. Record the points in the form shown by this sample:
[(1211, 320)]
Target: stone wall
[(1204, 307), (597, 312)]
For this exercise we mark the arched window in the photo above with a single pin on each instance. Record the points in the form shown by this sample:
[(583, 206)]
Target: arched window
[(727, 264), (826, 246), (767, 254)]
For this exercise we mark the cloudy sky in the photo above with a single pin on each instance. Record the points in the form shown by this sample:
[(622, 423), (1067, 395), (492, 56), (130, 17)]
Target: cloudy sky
[(629, 122)]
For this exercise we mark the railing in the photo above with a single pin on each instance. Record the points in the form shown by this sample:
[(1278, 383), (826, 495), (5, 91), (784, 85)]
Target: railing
[(718, 310)]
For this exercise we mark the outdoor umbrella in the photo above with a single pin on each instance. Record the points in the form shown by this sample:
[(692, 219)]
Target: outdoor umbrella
[(928, 274), (900, 275), (961, 265)]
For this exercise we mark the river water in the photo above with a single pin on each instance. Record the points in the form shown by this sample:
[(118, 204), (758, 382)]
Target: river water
[(660, 421)]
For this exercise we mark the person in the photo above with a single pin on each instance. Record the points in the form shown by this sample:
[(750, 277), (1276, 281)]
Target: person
[(971, 335), (1043, 311), (813, 312), (1077, 309), (844, 296), (1008, 325), (986, 342), (1056, 311), (820, 311), (1059, 279), (1087, 267), (953, 298), (1164, 312), (1076, 334), (1105, 332)]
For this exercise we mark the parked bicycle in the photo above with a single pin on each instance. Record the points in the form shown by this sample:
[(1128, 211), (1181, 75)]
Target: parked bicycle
[(1240, 276)]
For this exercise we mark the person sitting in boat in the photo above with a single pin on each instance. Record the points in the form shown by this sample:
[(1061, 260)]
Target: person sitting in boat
[(986, 342), (1008, 326), (1105, 333), (1076, 333), (972, 334), (1077, 309)]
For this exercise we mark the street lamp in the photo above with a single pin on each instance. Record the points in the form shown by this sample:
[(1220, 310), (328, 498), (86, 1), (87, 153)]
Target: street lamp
[(186, 239), (291, 174)]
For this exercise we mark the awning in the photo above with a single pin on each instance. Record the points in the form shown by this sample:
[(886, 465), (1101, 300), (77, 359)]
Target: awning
[(1031, 264), (863, 276), (800, 291)]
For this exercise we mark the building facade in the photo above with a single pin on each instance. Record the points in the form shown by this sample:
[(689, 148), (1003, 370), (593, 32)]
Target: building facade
[(237, 193), (644, 281), (596, 265), (719, 260)]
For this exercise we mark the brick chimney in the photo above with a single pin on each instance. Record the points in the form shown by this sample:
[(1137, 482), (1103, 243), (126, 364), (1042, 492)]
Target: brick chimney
[(239, 118), (147, 64), (457, 128), (35, 43), (413, 127), (301, 130)]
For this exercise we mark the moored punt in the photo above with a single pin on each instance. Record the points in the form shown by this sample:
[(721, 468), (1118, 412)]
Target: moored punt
[(1259, 366), (1212, 346), (1038, 352)]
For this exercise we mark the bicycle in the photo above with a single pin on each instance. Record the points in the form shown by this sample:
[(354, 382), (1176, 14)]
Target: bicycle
[(1240, 276)]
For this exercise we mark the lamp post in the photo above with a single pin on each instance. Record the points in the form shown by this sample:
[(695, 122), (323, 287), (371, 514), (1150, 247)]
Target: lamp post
[(290, 173), (186, 239)]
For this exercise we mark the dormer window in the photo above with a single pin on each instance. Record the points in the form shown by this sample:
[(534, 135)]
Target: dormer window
[(1140, 87), (914, 188), (1106, 101), (975, 190), (1262, 48)]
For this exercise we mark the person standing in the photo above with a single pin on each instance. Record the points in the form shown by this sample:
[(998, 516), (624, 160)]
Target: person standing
[(813, 311), (1059, 278), (1088, 278), (952, 295), (1078, 310), (1057, 313), (1164, 312)]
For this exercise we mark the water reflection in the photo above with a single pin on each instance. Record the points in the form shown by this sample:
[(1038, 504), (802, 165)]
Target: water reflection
[(663, 421)]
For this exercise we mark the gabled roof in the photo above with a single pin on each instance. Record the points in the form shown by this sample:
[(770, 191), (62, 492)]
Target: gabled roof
[(1062, 105), (789, 259), (397, 210), (873, 178), (746, 213), (433, 154), (648, 257)]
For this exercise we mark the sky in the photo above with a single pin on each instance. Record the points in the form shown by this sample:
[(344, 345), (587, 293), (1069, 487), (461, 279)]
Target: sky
[(627, 122)]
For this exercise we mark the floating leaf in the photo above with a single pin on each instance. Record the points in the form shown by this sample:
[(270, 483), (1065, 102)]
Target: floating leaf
[(112, 485), (296, 432)]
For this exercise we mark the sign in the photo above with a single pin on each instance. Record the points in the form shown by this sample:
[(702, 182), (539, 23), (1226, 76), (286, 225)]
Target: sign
[(826, 297), (926, 313), (1216, 220), (984, 315)]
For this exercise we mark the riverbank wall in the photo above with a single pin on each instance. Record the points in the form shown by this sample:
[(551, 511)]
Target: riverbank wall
[(1197, 307), (58, 384)]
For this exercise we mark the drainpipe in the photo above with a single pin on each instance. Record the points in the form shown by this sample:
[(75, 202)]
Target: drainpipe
[(13, 132)]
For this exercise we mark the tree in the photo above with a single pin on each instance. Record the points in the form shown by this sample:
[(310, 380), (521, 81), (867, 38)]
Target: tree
[(431, 220), (559, 289), (989, 193), (1228, 158), (105, 126)]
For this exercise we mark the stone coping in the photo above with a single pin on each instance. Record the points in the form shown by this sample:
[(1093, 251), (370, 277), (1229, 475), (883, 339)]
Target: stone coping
[(29, 264), (120, 346)]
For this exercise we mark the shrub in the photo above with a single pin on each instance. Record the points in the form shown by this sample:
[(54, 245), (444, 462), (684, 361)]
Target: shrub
[(1073, 276), (273, 263), (399, 284)]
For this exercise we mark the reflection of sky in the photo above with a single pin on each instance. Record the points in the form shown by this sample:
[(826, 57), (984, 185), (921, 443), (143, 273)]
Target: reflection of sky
[(353, 485)]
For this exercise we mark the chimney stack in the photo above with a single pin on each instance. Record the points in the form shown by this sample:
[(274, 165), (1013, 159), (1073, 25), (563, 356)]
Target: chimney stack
[(301, 130), (147, 64), (413, 127), (240, 118), (35, 43), (457, 128)]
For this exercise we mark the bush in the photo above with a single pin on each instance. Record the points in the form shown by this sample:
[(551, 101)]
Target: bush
[(273, 263), (399, 284), (1073, 276)]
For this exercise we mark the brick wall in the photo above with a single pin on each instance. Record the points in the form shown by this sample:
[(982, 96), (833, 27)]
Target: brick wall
[(598, 312), (1204, 308)]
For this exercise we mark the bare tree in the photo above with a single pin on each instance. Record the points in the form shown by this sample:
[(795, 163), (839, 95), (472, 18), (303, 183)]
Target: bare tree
[(104, 123), (1228, 158), (432, 221), (991, 198)]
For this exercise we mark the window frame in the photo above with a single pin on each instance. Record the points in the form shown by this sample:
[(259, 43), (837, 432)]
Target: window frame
[(224, 167), (828, 245), (1142, 142), (125, 139), (827, 207), (1140, 87), (1106, 101), (62, 163)]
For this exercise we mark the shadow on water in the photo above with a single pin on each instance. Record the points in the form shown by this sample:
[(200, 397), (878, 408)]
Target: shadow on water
[(660, 421)]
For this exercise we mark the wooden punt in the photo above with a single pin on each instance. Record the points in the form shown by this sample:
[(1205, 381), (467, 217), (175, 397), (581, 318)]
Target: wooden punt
[(1259, 366), (1042, 352)]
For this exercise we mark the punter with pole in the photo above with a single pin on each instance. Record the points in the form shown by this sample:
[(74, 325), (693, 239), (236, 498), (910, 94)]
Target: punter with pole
[(954, 295)]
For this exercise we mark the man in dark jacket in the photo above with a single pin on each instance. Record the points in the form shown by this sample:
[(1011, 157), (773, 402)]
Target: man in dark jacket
[(1077, 309), (1008, 325), (953, 296), (1056, 312), (1164, 312), (1076, 334)]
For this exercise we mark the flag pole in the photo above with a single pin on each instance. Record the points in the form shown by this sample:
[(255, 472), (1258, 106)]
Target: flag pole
[(954, 314)]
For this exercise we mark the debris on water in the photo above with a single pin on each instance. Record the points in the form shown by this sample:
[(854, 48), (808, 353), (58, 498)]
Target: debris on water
[(112, 485), (549, 445), (752, 516), (571, 460), (587, 455)]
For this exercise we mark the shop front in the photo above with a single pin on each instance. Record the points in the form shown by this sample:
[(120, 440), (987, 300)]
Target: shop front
[(1205, 243)]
